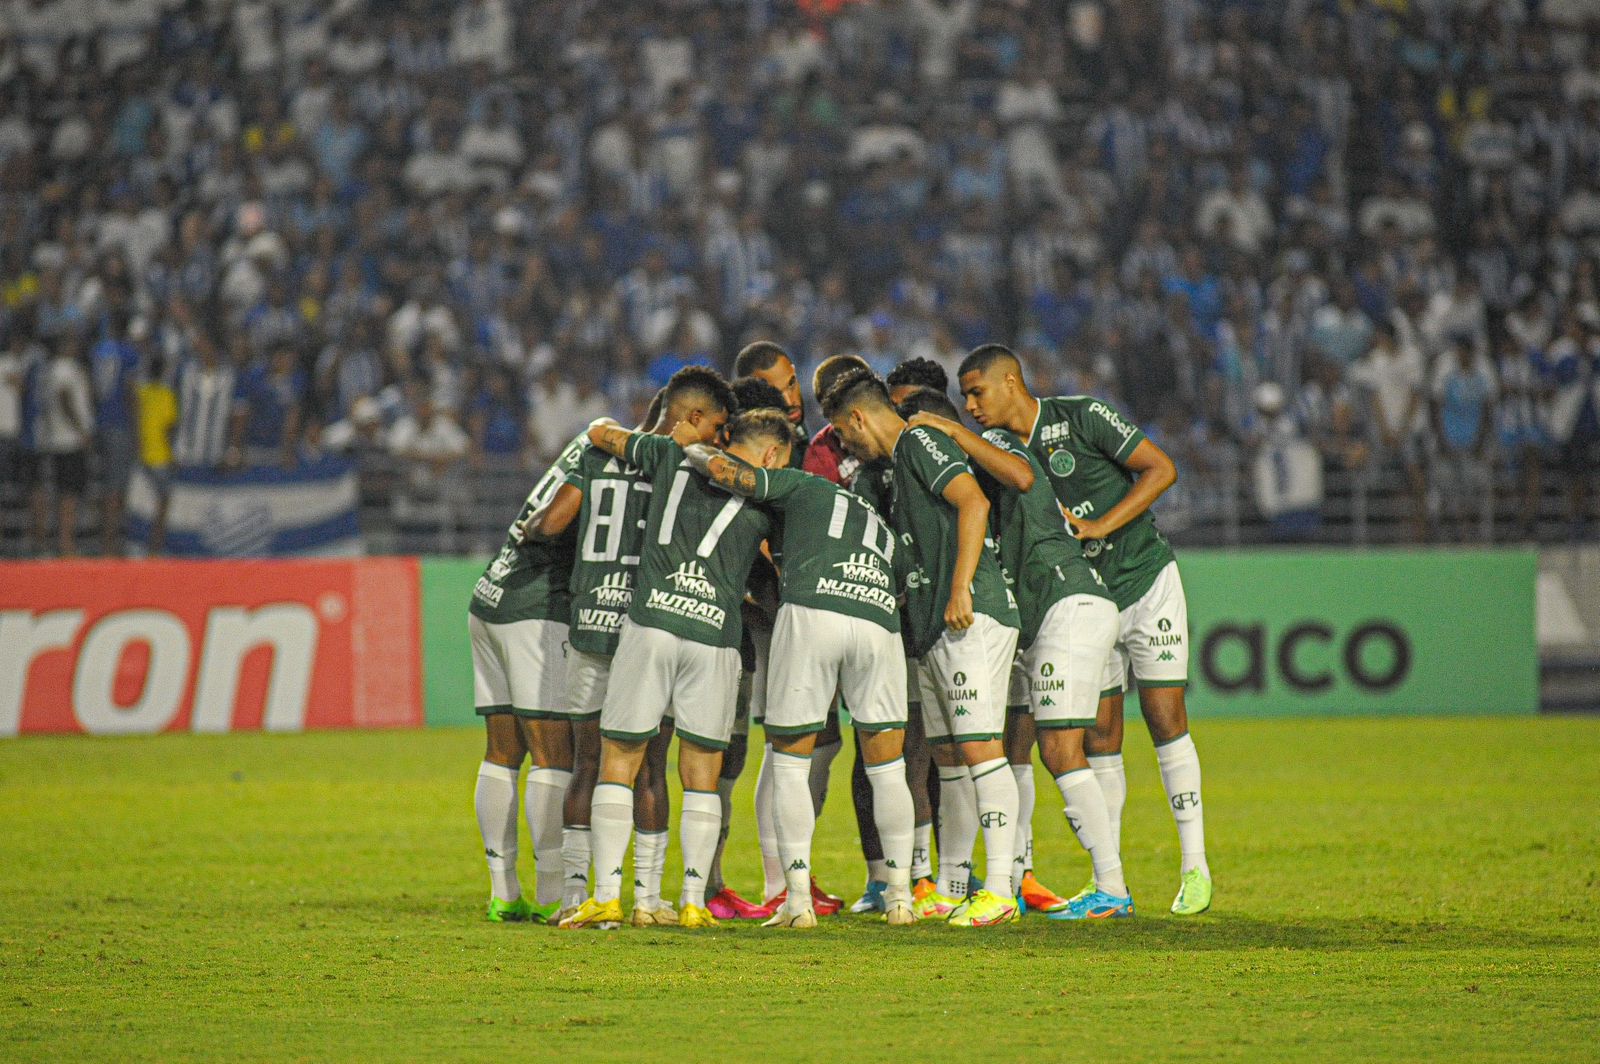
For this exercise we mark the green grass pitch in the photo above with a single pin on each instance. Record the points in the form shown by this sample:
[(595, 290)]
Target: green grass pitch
[(1386, 889)]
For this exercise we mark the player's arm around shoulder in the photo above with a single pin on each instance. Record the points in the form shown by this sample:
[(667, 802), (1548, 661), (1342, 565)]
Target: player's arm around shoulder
[(991, 451), (606, 434), (726, 471)]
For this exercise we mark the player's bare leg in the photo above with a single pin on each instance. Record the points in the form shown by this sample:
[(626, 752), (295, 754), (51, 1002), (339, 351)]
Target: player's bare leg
[(919, 768), (495, 802), (1168, 720), (576, 848), (550, 742), (724, 902)]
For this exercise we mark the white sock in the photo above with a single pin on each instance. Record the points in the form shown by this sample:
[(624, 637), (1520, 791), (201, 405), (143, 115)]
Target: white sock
[(797, 823), (575, 855), (895, 814), (1086, 813), (610, 827), (1023, 861), (543, 797), (649, 859), (767, 828), (821, 767), (1114, 787), (997, 811), (495, 801), (1180, 775), (697, 834), (922, 851), (958, 829)]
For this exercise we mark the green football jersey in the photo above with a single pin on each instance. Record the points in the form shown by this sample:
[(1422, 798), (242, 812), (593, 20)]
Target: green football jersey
[(611, 524), (925, 462), (699, 544), (839, 552), (527, 580), (1043, 561), (1082, 443)]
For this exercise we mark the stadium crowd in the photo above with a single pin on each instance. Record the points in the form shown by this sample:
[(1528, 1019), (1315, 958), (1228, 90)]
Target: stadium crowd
[(455, 232)]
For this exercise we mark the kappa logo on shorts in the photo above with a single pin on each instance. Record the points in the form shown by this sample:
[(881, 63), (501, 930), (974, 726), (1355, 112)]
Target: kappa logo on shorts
[(961, 711), (1047, 701), (1165, 655), (690, 578)]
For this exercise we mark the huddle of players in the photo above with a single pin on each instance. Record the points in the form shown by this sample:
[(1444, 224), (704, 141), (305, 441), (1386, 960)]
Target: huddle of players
[(906, 591)]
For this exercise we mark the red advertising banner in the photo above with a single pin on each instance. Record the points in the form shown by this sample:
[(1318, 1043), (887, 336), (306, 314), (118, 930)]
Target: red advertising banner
[(126, 648)]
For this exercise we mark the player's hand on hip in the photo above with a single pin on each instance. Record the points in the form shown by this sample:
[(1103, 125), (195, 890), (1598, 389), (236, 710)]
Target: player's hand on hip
[(1087, 529), (958, 615)]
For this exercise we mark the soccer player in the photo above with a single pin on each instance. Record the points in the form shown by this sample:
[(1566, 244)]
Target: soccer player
[(614, 500), (1105, 474), (517, 621), (961, 620), (1069, 626), (679, 648), (914, 375), (770, 363), (837, 630)]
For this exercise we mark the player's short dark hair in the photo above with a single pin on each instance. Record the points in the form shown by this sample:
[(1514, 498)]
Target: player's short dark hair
[(928, 401), (920, 373), (830, 369), (986, 355), (857, 387), (692, 383), (757, 357), (753, 393), (762, 425), (652, 413)]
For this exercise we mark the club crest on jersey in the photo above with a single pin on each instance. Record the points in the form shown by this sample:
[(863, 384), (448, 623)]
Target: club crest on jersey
[(1062, 463), (690, 579)]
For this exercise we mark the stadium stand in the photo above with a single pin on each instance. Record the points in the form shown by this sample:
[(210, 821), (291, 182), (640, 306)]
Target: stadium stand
[(1340, 258)]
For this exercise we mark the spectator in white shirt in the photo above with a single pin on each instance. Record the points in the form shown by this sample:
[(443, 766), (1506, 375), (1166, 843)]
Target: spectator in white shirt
[(65, 436), (480, 32), (1392, 374)]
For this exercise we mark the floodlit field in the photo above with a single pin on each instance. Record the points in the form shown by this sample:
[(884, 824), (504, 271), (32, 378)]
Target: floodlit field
[(1385, 889)]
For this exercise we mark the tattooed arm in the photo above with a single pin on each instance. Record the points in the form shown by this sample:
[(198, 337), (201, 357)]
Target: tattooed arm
[(609, 436), (723, 469)]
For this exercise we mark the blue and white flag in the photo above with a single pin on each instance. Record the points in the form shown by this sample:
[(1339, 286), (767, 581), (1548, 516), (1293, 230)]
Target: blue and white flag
[(309, 511)]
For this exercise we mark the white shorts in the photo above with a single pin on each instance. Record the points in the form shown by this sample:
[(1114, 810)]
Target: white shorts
[(1154, 637), (518, 667), (816, 653), (588, 676), (1066, 663), (660, 671), (965, 680)]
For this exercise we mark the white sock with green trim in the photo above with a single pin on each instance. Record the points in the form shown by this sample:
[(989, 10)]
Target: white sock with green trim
[(894, 813), (958, 829), (796, 823), (543, 798), (649, 859), (767, 828), (922, 851), (1022, 863), (697, 834), (575, 855), (610, 828), (821, 771), (1180, 775), (996, 790), (1113, 780), (1086, 814), (495, 802)]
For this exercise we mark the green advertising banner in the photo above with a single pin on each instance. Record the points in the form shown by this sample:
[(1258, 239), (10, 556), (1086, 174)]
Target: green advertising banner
[(1272, 633), (1278, 633), (446, 653)]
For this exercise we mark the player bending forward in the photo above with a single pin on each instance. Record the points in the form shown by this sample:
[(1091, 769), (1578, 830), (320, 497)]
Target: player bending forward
[(836, 630), (679, 649), (1069, 627), (1106, 474), (960, 617)]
